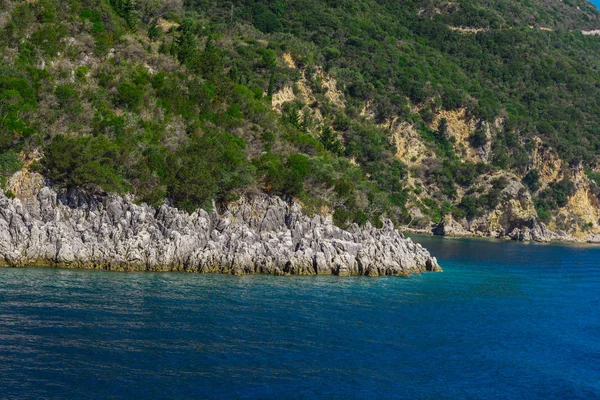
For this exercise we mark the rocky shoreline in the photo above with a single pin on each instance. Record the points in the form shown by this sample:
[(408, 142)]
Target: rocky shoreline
[(537, 232), (515, 218), (45, 227)]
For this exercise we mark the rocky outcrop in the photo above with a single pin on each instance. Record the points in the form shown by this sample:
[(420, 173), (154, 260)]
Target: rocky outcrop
[(537, 232), (531, 231), (410, 148), (449, 227), (515, 210), (259, 235), (514, 218)]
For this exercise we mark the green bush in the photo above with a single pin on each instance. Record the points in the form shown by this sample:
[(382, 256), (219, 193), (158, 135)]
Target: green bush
[(17, 98), (469, 206), (48, 39), (68, 99), (554, 197), (330, 141), (300, 165), (265, 20), (211, 167), (129, 95), (10, 162), (281, 179), (532, 180), (479, 138), (89, 162)]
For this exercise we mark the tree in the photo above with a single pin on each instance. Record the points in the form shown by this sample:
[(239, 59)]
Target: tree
[(125, 9), (442, 133), (265, 20), (330, 141), (479, 138), (271, 88), (129, 95), (152, 10), (187, 46), (532, 180), (281, 179), (212, 167), (91, 162)]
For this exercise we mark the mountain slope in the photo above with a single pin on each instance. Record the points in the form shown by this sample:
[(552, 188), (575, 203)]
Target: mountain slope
[(478, 115)]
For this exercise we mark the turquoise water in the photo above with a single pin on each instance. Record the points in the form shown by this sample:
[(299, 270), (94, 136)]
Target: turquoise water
[(504, 321)]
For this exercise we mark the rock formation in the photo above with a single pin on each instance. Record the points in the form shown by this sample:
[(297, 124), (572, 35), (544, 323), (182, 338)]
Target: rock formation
[(514, 217), (43, 226)]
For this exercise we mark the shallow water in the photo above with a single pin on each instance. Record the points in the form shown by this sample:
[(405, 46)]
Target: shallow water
[(505, 320)]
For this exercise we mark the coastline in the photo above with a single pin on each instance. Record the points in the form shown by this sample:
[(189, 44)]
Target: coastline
[(558, 240), (125, 269), (224, 270)]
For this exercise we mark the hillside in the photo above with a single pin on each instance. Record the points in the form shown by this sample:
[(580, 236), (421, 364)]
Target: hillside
[(472, 117)]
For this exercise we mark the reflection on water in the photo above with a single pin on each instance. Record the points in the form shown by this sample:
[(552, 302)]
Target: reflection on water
[(505, 320)]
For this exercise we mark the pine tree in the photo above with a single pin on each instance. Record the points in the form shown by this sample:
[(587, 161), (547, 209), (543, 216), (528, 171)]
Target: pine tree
[(126, 10), (442, 130), (128, 13), (186, 44), (271, 84), (331, 142)]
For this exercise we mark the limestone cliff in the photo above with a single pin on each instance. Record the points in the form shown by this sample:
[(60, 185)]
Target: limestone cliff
[(470, 143), (514, 217), (43, 226)]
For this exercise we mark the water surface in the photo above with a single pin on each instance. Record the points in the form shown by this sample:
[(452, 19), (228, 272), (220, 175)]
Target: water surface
[(504, 321)]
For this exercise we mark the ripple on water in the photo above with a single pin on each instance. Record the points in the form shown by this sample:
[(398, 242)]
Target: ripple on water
[(504, 320)]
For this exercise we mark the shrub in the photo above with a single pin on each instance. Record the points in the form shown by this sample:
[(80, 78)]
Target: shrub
[(281, 179), (479, 138), (532, 180), (89, 162), (129, 95), (10, 162), (265, 20), (68, 99), (330, 141), (555, 196), (300, 165), (212, 166), (469, 206)]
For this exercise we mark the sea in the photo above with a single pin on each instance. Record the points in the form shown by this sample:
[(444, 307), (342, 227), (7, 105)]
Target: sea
[(504, 320)]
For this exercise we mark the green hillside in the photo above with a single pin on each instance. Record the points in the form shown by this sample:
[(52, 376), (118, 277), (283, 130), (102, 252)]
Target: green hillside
[(175, 101)]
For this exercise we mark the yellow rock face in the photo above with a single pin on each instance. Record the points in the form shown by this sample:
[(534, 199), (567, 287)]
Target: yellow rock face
[(410, 149), (305, 94), (547, 162), (585, 205), (25, 184), (460, 127), (285, 95), (289, 60), (515, 210), (165, 25), (333, 94)]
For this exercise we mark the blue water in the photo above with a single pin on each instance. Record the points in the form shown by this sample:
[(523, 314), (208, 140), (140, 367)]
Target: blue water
[(504, 321)]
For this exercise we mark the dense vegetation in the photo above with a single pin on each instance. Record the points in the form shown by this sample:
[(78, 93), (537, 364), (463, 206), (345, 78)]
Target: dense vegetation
[(172, 101)]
